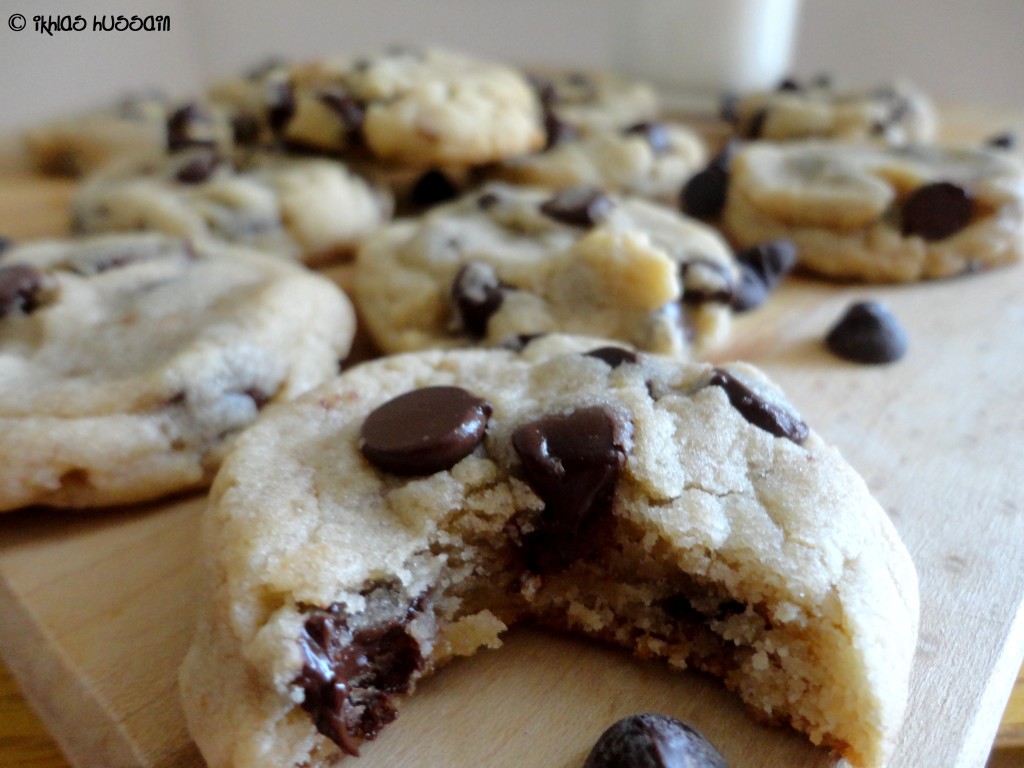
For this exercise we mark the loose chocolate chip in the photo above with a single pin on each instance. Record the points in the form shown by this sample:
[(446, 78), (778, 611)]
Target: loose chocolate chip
[(433, 188), (189, 126), (657, 135), (867, 333), (936, 211), (351, 111), (578, 206), (424, 431), (572, 462), (477, 294), (557, 131), (614, 356), (1005, 140), (279, 98), (749, 292), (703, 196), (652, 740), (19, 289), (762, 267), (198, 169), (770, 417)]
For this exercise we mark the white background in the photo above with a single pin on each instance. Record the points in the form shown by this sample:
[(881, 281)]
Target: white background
[(959, 51)]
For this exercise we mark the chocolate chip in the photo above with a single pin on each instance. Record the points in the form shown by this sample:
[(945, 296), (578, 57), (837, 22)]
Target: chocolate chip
[(517, 342), (198, 168), (557, 131), (705, 281), (789, 84), (936, 211), (572, 462), (488, 200), (425, 430), (614, 356), (656, 134), (653, 740), (578, 206), (545, 89), (867, 333), (1005, 140), (756, 126), (433, 188), (703, 196), (279, 97), (770, 417), (245, 129), (477, 294), (349, 679), (762, 268), (351, 111), (189, 126), (20, 285)]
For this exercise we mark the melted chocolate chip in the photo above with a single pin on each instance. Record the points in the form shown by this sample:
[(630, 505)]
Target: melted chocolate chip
[(433, 188), (189, 126), (614, 356), (349, 679), (198, 169), (652, 740), (656, 134), (477, 294), (572, 462), (770, 417), (936, 211), (424, 431), (578, 206), (867, 333), (351, 111), (557, 130), (20, 285), (703, 195), (762, 268)]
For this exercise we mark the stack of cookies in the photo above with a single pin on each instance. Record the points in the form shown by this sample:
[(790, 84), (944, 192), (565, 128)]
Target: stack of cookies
[(541, 260)]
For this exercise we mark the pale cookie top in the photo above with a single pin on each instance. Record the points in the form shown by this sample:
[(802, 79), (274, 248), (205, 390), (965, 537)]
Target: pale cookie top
[(415, 107), (589, 101), (128, 362), (507, 261), (310, 209), (879, 213), (328, 528), (648, 159), (897, 114)]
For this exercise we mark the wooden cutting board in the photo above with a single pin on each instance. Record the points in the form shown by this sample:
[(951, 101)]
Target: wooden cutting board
[(95, 609)]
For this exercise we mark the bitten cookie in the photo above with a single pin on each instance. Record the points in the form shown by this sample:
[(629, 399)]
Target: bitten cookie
[(409, 511), (648, 159), (414, 107), (314, 210), (509, 261), (129, 363), (879, 214), (897, 114)]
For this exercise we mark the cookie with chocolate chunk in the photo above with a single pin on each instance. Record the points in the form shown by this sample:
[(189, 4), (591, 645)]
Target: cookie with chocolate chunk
[(129, 363), (421, 107), (649, 159), (582, 102), (506, 261), (879, 214), (314, 210), (897, 114), (412, 509)]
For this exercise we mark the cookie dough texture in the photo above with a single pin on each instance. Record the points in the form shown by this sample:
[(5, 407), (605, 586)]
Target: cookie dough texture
[(650, 160), (845, 207), (897, 114), (314, 210), (640, 272), (796, 587), (414, 107), (129, 363)]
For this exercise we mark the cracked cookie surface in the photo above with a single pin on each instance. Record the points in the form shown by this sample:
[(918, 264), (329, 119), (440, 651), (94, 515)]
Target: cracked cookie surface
[(682, 511), (130, 362)]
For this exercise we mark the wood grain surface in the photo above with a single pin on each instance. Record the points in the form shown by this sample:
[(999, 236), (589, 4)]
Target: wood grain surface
[(95, 609)]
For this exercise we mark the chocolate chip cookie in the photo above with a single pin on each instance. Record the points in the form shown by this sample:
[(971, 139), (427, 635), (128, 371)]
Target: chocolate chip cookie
[(314, 210), (592, 101), (508, 261), (897, 114), (879, 214), (409, 511), (129, 363)]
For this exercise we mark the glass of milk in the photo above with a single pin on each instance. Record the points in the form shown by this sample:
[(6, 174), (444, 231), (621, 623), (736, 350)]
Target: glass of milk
[(695, 50)]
